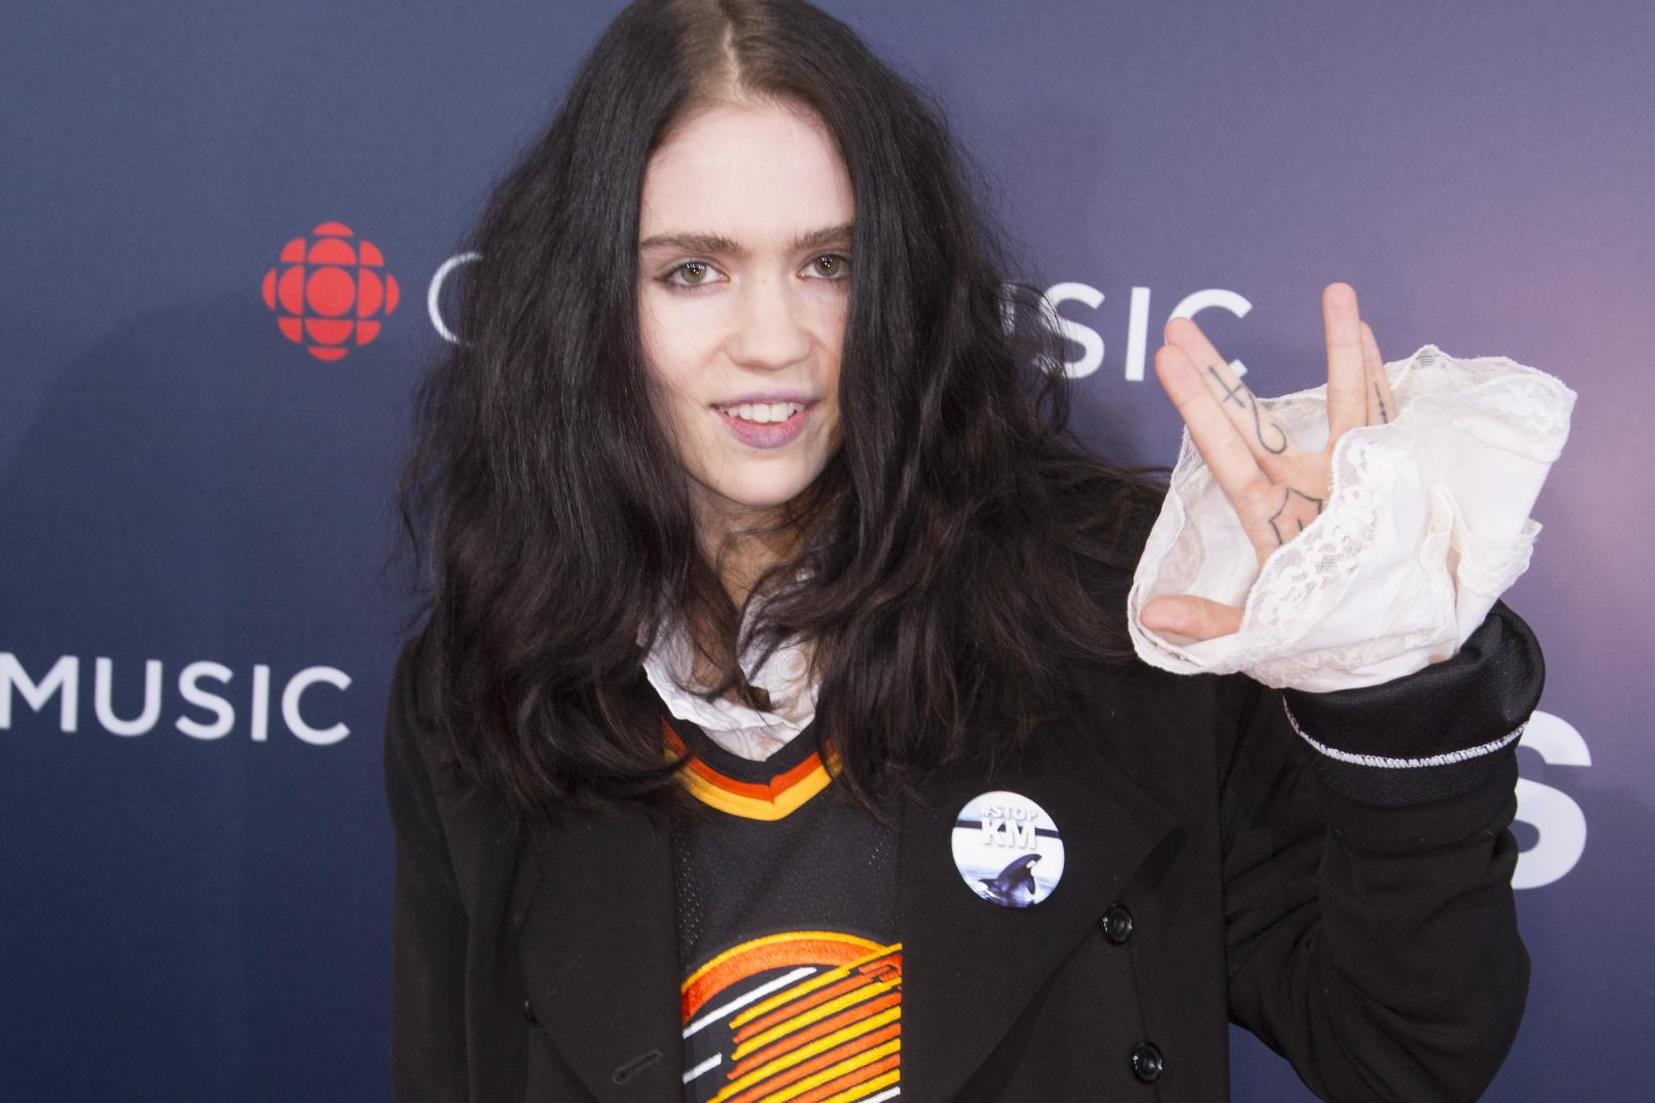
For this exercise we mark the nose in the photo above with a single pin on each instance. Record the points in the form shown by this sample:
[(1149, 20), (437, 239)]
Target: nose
[(769, 330)]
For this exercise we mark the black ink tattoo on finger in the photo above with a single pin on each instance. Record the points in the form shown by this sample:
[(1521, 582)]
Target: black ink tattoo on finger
[(1277, 521), (1260, 422)]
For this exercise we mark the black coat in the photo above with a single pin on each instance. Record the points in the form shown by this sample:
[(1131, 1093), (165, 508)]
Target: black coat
[(1358, 917)]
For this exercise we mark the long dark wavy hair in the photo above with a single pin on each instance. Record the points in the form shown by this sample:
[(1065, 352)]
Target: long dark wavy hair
[(957, 551)]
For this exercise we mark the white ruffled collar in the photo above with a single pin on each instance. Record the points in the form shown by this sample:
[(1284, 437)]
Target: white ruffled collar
[(741, 730)]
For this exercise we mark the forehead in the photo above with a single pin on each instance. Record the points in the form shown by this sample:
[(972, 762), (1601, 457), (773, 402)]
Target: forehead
[(758, 173)]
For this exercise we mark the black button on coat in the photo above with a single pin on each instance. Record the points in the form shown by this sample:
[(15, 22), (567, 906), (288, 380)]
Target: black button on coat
[(1147, 1062), (1117, 924)]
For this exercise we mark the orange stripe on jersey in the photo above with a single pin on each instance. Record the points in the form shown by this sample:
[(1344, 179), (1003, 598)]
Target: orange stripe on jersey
[(861, 1082), (860, 1075), (804, 1003), (774, 1084), (787, 950), (870, 1013), (784, 793), (755, 1021)]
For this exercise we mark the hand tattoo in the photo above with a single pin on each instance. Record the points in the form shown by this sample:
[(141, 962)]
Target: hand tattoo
[(1277, 522), (1251, 405)]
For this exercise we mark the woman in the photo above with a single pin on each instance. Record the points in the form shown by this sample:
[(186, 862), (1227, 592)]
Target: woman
[(778, 731)]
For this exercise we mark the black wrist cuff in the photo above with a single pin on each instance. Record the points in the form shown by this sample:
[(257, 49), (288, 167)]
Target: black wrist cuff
[(1443, 730)]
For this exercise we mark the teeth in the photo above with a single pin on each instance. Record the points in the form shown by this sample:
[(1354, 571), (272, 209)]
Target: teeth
[(764, 412)]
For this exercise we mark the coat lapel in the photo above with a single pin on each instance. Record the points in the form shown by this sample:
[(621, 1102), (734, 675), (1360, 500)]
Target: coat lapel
[(599, 951), (970, 967), (598, 939)]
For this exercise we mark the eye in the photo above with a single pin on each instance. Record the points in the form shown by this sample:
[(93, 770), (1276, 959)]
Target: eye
[(696, 270), (837, 267)]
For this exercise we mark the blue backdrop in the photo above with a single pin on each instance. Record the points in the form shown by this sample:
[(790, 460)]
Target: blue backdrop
[(195, 640)]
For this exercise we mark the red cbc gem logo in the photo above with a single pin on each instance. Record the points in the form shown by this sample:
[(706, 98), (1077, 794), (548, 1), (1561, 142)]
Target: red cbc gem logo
[(330, 290)]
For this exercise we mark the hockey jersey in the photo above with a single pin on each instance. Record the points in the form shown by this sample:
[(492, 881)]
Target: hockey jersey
[(788, 943)]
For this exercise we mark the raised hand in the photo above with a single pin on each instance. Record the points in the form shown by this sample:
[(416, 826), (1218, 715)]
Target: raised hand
[(1275, 487)]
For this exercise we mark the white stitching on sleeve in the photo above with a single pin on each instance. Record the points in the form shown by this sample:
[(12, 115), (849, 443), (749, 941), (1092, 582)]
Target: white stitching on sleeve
[(1383, 763)]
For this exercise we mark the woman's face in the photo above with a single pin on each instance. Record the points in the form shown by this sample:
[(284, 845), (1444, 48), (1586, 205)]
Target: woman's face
[(743, 284)]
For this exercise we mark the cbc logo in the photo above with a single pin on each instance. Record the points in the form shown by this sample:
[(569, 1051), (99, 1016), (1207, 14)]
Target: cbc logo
[(329, 294), (330, 291), (194, 688)]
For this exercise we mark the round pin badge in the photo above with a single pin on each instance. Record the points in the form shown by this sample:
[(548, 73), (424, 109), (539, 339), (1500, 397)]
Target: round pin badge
[(1008, 849)]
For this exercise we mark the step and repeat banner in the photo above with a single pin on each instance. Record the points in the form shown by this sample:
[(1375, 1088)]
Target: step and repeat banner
[(226, 233)]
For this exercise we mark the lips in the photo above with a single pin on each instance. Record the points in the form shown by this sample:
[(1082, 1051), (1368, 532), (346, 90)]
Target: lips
[(759, 434)]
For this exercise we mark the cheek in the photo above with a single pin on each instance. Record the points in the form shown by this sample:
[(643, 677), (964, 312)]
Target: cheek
[(653, 327), (676, 389), (675, 345), (689, 433), (833, 435)]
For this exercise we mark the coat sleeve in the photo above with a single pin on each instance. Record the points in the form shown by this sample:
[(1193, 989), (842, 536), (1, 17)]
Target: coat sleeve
[(428, 928), (1370, 921)]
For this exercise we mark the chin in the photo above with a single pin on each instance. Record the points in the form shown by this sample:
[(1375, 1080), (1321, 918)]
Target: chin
[(760, 493), (768, 498)]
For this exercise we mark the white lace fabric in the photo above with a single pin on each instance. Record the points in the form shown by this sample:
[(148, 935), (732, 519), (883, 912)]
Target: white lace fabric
[(1427, 523)]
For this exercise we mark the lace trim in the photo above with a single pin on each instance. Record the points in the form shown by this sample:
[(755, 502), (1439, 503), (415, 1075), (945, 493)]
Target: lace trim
[(1448, 758), (1426, 525)]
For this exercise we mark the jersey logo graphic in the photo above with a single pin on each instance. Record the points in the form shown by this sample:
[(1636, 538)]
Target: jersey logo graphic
[(802, 1016)]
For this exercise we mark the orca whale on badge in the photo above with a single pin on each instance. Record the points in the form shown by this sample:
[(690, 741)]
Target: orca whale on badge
[(1007, 848), (1014, 888)]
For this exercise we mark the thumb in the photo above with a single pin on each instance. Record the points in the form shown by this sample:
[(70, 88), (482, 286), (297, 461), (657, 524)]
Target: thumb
[(1195, 617)]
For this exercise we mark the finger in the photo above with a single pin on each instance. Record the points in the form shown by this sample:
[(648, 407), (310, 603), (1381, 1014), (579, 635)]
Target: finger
[(1217, 440), (1381, 402), (1347, 390), (1186, 615), (1264, 437)]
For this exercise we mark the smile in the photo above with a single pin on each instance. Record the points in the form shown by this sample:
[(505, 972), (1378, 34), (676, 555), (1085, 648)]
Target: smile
[(765, 424)]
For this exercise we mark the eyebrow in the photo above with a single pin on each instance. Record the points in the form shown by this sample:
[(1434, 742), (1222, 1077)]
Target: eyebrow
[(718, 243)]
